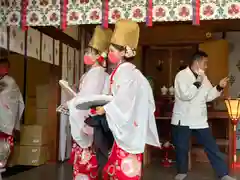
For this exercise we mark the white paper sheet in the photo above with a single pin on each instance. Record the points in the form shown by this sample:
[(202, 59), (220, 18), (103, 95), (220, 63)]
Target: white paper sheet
[(17, 40), (56, 52), (67, 89), (33, 43), (70, 65), (3, 37), (47, 49)]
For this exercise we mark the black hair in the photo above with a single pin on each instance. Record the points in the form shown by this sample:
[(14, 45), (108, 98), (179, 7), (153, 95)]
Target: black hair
[(122, 48), (93, 50), (198, 56), (4, 61), (97, 52)]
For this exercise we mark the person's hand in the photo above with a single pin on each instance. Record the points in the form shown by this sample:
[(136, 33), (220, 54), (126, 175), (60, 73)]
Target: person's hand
[(100, 110), (223, 82)]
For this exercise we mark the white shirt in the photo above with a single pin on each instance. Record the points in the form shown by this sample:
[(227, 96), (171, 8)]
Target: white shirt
[(130, 115), (190, 108)]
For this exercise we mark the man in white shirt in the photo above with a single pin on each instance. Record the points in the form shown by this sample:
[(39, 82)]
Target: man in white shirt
[(192, 91)]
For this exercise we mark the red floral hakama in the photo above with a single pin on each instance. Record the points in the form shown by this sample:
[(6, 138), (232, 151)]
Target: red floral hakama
[(10, 140), (122, 165), (85, 166), (72, 155)]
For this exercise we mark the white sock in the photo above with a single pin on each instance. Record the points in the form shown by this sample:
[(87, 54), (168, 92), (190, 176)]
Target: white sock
[(227, 178), (181, 176)]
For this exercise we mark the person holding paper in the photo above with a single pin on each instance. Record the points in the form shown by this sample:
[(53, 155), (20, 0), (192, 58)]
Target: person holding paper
[(94, 81), (11, 110), (130, 115), (192, 92)]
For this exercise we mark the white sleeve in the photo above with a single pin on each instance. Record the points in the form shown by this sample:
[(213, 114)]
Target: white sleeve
[(184, 89), (93, 83), (106, 88), (213, 93), (121, 109)]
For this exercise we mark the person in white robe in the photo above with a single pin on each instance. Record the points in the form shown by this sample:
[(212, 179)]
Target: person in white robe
[(94, 81), (11, 110), (130, 115), (192, 92)]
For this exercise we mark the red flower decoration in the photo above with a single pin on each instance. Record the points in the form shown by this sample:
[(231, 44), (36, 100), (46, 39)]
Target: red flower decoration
[(14, 18), (233, 9), (74, 16), (100, 59), (43, 2), (160, 12), (6, 106), (53, 17), (34, 18), (135, 124), (208, 11), (84, 1), (94, 15), (137, 13), (184, 12), (93, 111), (116, 15)]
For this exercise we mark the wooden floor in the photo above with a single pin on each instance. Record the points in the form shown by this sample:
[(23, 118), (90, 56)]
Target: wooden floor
[(154, 172)]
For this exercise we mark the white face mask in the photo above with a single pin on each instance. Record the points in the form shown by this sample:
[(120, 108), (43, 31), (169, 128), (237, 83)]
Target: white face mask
[(200, 71)]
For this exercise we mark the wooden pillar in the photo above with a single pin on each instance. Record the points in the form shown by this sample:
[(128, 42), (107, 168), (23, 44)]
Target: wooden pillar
[(54, 123)]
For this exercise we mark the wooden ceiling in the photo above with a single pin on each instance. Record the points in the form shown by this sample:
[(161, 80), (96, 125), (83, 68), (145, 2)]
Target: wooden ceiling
[(180, 32)]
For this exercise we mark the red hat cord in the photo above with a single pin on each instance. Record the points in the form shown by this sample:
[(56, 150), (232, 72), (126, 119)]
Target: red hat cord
[(102, 57)]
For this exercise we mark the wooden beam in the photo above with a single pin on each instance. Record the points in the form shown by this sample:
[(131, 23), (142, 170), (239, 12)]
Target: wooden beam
[(171, 34), (59, 35)]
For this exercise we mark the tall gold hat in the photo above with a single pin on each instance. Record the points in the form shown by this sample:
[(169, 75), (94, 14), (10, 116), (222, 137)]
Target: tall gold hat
[(101, 39), (126, 33)]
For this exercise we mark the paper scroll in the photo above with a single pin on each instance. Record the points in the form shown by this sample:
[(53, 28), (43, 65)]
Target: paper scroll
[(70, 65), (33, 43), (56, 52), (3, 37), (17, 40), (47, 49)]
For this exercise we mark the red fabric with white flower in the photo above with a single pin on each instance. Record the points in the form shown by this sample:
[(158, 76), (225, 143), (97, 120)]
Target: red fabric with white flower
[(85, 166), (7, 138), (122, 165)]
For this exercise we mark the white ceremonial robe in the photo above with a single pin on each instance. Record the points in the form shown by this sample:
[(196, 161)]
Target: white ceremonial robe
[(130, 115), (11, 106), (93, 82)]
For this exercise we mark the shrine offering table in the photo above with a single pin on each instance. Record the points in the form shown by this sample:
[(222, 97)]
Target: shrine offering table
[(213, 116)]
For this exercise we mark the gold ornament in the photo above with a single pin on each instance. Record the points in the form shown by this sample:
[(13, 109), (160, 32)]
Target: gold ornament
[(208, 35)]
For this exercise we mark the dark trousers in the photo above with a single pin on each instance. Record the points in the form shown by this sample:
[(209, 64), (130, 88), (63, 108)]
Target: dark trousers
[(181, 138)]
